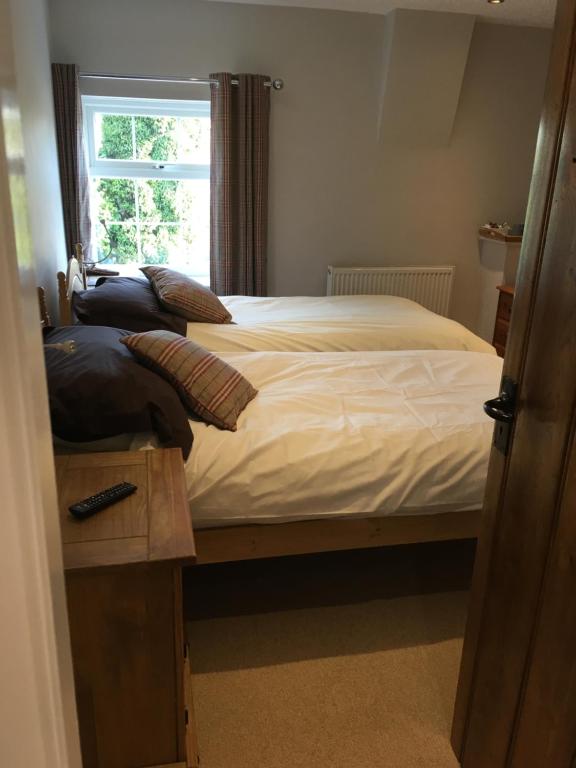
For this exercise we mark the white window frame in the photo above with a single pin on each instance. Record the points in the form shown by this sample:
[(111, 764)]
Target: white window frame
[(145, 169), (141, 169)]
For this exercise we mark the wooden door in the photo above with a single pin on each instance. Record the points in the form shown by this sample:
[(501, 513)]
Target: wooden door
[(516, 700)]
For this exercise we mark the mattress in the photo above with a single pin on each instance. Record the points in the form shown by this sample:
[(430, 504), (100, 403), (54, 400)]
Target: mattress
[(347, 434), (332, 324)]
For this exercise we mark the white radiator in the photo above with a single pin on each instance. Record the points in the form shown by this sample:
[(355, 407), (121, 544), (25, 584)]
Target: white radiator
[(429, 286)]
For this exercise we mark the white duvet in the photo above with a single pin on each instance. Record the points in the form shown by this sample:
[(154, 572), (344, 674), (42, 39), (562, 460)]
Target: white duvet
[(332, 324), (379, 433)]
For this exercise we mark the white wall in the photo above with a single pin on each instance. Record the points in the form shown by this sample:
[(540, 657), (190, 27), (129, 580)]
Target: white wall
[(37, 704), (34, 85), (337, 195)]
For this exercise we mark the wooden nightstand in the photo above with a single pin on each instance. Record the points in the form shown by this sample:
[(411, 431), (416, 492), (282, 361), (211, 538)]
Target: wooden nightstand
[(503, 313), (124, 587)]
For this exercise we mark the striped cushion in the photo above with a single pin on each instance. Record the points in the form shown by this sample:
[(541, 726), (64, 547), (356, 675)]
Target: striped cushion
[(186, 297), (211, 388)]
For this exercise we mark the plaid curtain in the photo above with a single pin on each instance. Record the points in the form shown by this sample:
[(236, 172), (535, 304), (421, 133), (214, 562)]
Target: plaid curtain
[(74, 182), (239, 184)]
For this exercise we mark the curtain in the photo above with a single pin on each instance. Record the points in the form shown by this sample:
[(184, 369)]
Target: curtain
[(239, 184), (72, 162)]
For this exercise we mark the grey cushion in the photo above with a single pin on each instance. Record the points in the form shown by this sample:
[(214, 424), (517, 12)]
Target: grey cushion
[(100, 390), (125, 302)]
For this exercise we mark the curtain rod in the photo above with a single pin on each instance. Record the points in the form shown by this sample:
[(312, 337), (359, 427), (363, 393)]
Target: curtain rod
[(276, 84)]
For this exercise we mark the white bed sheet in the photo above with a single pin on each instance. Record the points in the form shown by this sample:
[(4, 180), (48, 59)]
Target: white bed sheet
[(332, 324), (363, 434)]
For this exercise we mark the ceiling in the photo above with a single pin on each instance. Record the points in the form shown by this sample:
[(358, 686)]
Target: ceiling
[(536, 13)]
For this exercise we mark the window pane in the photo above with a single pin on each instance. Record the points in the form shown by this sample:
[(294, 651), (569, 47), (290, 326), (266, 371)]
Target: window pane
[(113, 136), (157, 200), (194, 203), (156, 138), (185, 245), (116, 199), (159, 243), (193, 206), (170, 224), (173, 139), (194, 140), (118, 243)]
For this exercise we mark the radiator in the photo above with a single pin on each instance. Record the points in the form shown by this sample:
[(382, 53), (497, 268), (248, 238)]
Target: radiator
[(429, 286)]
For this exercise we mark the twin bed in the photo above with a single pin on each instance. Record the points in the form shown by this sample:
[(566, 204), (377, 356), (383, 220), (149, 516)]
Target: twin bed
[(332, 324), (367, 430)]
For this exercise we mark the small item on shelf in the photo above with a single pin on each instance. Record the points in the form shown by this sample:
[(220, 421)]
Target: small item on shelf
[(504, 228), (503, 232)]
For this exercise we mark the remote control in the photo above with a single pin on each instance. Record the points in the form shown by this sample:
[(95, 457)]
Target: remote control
[(101, 500)]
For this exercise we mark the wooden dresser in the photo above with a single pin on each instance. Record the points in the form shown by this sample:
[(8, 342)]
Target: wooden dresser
[(503, 314), (124, 588)]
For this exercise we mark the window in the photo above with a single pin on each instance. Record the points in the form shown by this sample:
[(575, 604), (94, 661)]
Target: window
[(149, 166)]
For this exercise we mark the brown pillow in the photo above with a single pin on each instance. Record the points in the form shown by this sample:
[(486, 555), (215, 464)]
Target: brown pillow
[(186, 297), (211, 388)]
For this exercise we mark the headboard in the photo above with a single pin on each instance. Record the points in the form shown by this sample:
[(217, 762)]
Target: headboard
[(44, 316), (74, 280)]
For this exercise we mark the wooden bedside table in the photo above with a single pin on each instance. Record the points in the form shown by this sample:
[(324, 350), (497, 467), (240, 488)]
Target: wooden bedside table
[(124, 587), (503, 314)]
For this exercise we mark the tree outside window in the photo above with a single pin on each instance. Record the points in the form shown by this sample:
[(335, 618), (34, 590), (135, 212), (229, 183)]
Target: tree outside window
[(150, 186)]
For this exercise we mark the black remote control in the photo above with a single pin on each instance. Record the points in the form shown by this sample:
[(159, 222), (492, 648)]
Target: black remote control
[(101, 500)]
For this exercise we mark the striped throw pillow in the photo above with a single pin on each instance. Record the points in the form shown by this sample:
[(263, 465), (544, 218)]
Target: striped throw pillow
[(185, 297), (213, 390)]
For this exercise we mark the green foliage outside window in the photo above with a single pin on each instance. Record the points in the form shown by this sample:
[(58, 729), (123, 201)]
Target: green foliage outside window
[(156, 199), (154, 221)]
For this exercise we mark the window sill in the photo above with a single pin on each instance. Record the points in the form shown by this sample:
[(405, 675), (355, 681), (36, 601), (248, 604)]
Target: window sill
[(133, 270)]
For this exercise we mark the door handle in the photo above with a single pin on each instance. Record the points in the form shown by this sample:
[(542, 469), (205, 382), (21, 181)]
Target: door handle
[(500, 408), (503, 409)]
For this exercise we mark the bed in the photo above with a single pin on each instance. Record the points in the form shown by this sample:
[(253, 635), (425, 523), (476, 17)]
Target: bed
[(332, 324), (344, 450), (341, 450), (314, 323)]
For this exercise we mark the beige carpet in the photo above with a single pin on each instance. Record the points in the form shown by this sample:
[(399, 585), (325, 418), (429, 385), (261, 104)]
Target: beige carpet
[(330, 682)]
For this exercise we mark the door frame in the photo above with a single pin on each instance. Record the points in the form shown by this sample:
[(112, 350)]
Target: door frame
[(38, 725), (538, 273)]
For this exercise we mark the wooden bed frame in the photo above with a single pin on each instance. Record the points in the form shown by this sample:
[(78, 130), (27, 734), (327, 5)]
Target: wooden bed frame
[(45, 320), (250, 542), (74, 280)]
